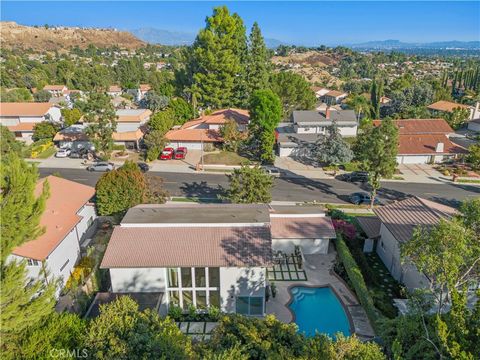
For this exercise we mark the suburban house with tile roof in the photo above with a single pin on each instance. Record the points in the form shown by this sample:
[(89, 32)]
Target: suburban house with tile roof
[(294, 138), (440, 107), (69, 219), (334, 97), (394, 225), (215, 254), (114, 90), (20, 118), (424, 141), (206, 129), (130, 127), (56, 90)]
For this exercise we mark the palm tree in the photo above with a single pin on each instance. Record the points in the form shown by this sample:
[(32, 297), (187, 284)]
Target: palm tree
[(359, 104)]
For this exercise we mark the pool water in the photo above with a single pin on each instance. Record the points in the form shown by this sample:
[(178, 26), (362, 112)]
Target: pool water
[(318, 309)]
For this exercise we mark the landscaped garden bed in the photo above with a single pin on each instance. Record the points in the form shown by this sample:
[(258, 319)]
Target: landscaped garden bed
[(381, 286)]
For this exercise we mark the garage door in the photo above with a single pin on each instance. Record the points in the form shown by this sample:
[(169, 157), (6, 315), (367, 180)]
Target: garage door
[(285, 151), (420, 159)]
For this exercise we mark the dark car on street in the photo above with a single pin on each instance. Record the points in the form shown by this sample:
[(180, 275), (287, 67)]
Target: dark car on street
[(360, 198), (143, 166), (355, 176)]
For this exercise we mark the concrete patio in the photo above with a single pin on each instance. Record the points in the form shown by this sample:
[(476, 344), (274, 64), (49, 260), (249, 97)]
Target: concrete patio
[(319, 273)]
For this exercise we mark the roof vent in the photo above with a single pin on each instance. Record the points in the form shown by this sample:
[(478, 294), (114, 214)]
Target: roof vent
[(439, 148)]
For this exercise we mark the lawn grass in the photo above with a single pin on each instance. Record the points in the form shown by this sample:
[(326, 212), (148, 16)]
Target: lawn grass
[(196, 200), (225, 158), (47, 153), (469, 181)]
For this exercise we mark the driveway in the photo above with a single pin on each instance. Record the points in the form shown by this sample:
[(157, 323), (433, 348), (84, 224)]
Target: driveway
[(418, 170)]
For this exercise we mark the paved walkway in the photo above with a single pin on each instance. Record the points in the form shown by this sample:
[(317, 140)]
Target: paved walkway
[(319, 273)]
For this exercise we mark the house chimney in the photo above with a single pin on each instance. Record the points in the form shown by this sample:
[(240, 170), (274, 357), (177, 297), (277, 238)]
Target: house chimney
[(439, 148), (327, 113)]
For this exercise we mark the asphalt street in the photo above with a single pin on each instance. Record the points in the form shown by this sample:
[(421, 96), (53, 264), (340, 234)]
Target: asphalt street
[(290, 189)]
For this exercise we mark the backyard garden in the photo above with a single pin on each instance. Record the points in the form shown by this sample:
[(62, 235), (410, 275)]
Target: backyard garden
[(382, 287)]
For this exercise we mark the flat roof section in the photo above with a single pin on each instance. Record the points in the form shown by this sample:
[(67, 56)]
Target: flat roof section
[(189, 214)]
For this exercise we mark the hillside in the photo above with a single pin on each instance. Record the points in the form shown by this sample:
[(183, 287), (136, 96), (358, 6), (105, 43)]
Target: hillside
[(312, 65), (14, 35)]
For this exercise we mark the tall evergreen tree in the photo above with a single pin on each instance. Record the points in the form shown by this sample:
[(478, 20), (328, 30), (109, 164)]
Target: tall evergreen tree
[(24, 303), (217, 60), (258, 61), (21, 209)]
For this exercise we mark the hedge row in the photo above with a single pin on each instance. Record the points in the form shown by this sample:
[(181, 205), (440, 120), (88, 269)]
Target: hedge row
[(356, 278)]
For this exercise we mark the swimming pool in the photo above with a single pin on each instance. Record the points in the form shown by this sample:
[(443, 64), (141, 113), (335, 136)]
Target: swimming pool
[(318, 309)]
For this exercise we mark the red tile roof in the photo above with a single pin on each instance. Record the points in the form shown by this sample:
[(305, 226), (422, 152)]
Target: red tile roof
[(127, 135), (420, 126), (335, 93), (221, 117), (302, 228), (59, 218), (196, 135), (24, 109), (426, 145), (242, 246), (446, 106), (54, 87), (22, 127), (402, 217)]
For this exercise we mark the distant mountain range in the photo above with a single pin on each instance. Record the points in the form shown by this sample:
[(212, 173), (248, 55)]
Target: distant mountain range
[(167, 37), (397, 44)]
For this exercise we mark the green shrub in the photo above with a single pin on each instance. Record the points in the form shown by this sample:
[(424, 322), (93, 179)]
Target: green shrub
[(214, 313), (331, 168), (352, 166), (175, 312), (118, 147), (355, 275)]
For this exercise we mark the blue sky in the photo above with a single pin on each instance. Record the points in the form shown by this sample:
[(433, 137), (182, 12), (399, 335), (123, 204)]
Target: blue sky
[(307, 23)]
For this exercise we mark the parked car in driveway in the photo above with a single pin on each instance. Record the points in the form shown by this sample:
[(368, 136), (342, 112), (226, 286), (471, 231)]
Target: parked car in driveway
[(355, 176), (359, 198), (143, 166), (62, 153), (167, 153), (180, 153), (101, 166)]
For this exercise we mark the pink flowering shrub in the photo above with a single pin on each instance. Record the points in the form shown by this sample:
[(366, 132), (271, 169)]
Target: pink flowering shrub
[(346, 229)]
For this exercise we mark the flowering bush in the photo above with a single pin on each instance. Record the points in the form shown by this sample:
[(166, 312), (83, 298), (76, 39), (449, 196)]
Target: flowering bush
[(346, 229)]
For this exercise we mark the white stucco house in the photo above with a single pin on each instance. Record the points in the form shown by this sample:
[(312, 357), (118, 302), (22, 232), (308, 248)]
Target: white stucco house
[(56, 90), (130, 126), (209, 255), (334, 97), (68, 219), (114, 90), (396, 224), (307, 125), (424, 141), (206, 129), (20, 118)]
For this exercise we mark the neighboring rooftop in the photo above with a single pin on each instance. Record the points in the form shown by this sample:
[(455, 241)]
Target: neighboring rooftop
[(197, 135), (54, 87), (335, 93), (24, 108), (402, 217), (427, 145), (370, 225), (420, 126), (72, 133), (132, 115), (128, 135), (142, 247), (220, 117), (446, 106), (302, 228), (60, 215), (193, 215), (295, 210), (313, 117)]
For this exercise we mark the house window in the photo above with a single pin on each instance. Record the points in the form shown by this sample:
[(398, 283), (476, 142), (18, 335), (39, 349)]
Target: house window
[(63, 266), (193, 286), (382, 245), (32, 262), (90, 222), (249, 305)]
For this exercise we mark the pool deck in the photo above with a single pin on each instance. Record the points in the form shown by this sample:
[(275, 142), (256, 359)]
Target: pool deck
[(319, 273)]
